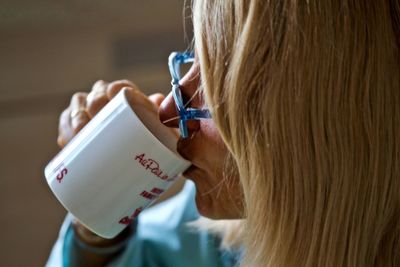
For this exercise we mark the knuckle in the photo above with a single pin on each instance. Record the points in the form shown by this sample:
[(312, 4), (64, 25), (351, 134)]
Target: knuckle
[(99, 85), (98, 82), (78, 97)]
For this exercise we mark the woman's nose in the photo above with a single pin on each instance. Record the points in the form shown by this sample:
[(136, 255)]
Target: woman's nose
[(169, 116), (188, 85)]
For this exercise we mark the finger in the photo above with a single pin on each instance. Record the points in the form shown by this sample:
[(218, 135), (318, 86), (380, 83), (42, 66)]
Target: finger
[(97, 98), (78, 115), (157, 99), (116, 86), (65, 132), (99, 86)]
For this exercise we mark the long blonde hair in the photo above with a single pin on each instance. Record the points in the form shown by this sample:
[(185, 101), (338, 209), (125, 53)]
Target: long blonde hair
[(306, 95)]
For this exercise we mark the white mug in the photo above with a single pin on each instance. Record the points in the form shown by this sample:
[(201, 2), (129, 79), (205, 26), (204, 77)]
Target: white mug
[(115, 167)]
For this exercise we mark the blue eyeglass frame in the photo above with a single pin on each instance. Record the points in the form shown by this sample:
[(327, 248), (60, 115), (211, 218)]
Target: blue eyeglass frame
[(175, 60)]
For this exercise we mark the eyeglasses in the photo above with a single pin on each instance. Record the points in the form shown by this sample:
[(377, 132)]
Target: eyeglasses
[(175, 61)]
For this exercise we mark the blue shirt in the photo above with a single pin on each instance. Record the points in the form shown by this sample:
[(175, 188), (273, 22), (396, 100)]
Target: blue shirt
[(162, 238)]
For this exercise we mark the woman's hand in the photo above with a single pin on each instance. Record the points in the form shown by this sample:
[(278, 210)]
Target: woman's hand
[(84, 106)]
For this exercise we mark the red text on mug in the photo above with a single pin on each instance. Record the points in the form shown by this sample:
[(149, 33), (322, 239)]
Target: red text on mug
[(61, 171), (152, 166), (155, 192), (128, 220)]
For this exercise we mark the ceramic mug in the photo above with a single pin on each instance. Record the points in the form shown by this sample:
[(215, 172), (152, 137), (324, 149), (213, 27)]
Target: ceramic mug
[(116, 166)]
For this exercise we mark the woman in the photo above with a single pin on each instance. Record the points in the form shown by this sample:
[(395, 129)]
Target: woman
[(305, 104)]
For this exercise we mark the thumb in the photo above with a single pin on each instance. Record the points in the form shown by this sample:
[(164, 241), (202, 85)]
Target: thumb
[(157, 99)]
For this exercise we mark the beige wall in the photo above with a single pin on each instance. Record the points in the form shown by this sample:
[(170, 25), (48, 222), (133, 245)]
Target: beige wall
[(41, 65)]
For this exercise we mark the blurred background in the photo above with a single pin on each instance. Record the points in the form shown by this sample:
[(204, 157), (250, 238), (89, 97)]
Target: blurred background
[(48, 51)]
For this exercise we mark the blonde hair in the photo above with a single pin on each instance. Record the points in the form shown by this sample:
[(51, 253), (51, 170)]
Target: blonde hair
[(306, 95)]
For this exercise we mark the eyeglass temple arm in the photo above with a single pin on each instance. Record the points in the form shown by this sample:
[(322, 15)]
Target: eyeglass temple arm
[(197, 114), (191, 114), (187, 114)]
